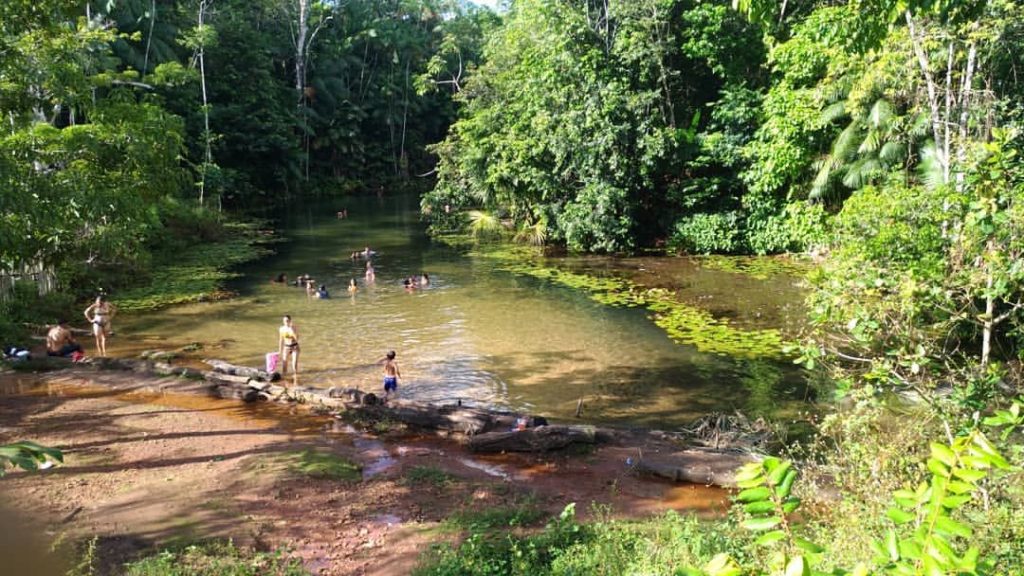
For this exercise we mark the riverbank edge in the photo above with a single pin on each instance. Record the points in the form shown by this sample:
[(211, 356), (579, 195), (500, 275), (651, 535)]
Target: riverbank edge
[(658, 454)]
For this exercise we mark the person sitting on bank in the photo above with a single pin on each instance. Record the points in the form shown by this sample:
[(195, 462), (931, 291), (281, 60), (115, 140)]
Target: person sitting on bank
[(322, 293), (60, 341)]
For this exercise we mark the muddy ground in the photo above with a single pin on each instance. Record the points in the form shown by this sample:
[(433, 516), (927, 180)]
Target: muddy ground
[(146, 468)]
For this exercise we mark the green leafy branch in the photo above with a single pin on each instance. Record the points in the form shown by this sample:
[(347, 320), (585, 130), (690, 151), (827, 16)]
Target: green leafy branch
[(27, 455), (930, 546)]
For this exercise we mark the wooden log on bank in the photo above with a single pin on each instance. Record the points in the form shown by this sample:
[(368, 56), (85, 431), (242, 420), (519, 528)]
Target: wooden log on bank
[(711, 467), (449, 417), (247, 371), (539, 439)]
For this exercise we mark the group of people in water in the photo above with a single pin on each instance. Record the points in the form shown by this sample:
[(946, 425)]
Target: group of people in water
[(288, 358), (60, 341), (320, 291), (288, 349)]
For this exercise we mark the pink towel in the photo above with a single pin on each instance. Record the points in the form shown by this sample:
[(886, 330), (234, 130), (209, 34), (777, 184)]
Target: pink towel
[(272, 359)]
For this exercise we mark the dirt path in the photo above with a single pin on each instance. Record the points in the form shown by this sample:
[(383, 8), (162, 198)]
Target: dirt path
[(145, 468)]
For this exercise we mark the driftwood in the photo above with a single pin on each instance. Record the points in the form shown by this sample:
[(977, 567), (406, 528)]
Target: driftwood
[(713, 467), (539, 439)]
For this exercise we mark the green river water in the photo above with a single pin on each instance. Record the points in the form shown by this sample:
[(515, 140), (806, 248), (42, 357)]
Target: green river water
[(490, 335)]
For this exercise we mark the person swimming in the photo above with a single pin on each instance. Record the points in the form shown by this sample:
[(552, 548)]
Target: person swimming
[(370, 274), (322, 293), (280, 279), (352, 286), (425, 279)]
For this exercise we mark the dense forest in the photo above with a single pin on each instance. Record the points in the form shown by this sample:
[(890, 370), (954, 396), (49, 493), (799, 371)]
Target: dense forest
[(882, 138)]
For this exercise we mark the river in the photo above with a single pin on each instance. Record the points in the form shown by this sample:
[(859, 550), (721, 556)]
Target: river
[(489, 334)]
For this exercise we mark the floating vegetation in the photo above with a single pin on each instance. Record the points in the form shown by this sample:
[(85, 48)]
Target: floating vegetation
[(759, 267), (683, 323), (197, 274)]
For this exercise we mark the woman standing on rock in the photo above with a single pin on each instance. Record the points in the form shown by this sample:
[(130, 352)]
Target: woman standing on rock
[(288, 348), (102, 314)]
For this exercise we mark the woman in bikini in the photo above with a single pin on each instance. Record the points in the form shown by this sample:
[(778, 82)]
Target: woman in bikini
[(288, 348), (102, 314)]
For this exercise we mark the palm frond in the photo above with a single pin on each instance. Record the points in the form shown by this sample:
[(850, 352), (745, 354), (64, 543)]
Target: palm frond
[(822, 181), (484, 224), (930, 167), (881, 113), (833, 112), (846, 143), (871, 142), (535, 234), (891, 152), (921, 126)]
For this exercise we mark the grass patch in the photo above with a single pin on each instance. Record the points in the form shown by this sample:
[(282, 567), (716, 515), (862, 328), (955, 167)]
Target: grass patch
[(214, 559), (428, 476), (662, 545), (521, 513), (317, 464)]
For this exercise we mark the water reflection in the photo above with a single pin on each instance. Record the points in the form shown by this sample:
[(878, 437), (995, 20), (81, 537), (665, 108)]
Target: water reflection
[(481, 334)]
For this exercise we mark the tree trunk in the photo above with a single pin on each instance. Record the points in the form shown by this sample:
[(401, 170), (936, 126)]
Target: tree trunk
[(990, 309), (208, 155), (300, 79)]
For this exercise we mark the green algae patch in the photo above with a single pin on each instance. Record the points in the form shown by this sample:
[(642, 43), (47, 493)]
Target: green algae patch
[(758, 267), (320, 464), (694, 326), (682, 323), (198, 273)]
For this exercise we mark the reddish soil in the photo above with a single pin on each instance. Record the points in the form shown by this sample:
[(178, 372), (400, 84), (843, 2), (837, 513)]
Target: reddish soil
[(145, 467)]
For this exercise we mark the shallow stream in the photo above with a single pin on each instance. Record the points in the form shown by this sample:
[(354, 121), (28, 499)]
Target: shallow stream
[(493, 333)]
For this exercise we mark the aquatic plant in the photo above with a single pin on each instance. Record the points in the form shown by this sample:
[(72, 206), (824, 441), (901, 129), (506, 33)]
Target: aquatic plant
[(197, 274), (758, 267), (683, 323)]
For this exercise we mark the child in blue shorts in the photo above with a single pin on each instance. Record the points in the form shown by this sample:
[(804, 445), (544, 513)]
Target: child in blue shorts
[(391, 374)]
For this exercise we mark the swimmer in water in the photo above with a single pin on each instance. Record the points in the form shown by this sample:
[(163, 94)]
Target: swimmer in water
[(352, 288), (370, 275)]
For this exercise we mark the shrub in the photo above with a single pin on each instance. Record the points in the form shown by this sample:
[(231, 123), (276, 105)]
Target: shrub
[(707, 234)]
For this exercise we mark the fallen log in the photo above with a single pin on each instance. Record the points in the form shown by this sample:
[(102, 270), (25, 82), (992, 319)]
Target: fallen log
[(539, 439), (711, 467), (231, 379), (247, 371), (450, 417)]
